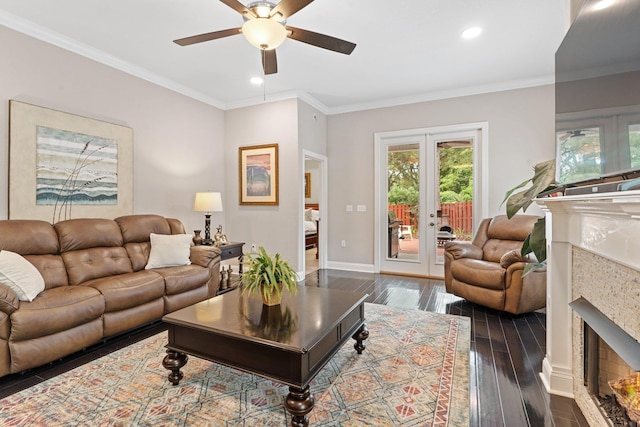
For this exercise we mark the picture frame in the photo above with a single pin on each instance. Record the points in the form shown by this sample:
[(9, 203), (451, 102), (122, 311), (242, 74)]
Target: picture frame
[(258, 174), (221, 239), (64, 166), (307, 185)]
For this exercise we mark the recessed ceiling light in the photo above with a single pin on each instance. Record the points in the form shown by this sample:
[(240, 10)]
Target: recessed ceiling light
[(603, 4), (256, 81), (471, 33)]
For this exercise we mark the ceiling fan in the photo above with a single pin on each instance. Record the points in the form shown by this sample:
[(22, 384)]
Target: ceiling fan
[(265, 28)]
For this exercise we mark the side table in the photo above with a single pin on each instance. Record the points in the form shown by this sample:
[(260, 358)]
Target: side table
[(229, 251)]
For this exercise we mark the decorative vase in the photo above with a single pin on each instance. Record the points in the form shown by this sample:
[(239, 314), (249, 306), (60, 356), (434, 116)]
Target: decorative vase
[(197, 238), (273, 297)]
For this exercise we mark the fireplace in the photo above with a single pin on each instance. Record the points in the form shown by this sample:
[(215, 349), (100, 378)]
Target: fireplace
[(611, 365), (593, 255)]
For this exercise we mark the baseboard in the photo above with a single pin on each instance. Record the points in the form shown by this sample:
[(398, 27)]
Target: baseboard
[(557, 381), (351, 266)]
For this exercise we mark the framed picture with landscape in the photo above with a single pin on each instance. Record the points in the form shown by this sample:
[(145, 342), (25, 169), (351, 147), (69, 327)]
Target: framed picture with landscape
[(64, 166), (258, 180)]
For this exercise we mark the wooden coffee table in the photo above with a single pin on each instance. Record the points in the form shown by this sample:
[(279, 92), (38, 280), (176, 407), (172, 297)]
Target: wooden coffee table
[(288, 343)]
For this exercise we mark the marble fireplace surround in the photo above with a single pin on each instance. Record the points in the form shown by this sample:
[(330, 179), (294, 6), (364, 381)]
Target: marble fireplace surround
[(594, 252)]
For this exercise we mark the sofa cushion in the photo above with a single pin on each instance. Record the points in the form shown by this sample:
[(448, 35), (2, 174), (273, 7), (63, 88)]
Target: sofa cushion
[(83, 233), (138, 228), (20, 275), (28, 237), (128, 290), (52, 269), (94, 263), (169, 250), (183, 278), (56, 310), (481, 273)]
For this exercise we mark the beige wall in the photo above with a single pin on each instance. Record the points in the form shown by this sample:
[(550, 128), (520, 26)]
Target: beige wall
[(178, 142), (274, 227), (521, 134)]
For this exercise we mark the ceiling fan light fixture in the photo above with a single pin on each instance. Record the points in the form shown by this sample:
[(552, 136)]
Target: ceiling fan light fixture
[(264, 33)]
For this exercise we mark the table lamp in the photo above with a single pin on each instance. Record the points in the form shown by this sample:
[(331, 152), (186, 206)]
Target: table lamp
[(207, 203)]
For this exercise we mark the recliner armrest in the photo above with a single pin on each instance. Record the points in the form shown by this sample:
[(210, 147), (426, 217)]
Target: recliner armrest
[(512, 257), (459, 250), (203, 255)]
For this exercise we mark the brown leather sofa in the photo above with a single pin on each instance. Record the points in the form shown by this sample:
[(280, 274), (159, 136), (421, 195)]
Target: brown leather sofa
[(96, 284), (488, 270)]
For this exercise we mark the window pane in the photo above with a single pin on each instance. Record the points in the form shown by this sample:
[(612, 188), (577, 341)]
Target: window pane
[(579, 155)]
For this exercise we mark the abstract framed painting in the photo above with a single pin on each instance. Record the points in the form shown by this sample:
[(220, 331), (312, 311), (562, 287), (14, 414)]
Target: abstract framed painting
[(64, 166), (258, 180)]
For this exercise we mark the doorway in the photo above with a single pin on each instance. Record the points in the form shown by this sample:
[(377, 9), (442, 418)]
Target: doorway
[(427, 192), (314, 222)]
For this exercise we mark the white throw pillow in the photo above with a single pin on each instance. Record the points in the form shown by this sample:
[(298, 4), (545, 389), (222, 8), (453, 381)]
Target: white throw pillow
[(20, 275), (169, 250)]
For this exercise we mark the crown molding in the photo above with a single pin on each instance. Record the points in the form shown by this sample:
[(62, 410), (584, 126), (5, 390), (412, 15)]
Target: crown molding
[(446, 94), (29, 28), (280, 96)]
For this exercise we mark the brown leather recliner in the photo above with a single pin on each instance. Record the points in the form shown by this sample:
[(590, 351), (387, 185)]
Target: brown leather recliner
[(488, 270)]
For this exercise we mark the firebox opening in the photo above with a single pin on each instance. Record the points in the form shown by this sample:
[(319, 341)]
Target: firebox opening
[(611, 373)]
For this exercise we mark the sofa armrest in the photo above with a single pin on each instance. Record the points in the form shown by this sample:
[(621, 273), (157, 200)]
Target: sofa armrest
[(9, 301), (204, 255), (459, 250)]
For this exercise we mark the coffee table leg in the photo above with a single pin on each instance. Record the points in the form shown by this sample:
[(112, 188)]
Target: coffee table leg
[(173, 361), (299, 403), (360, 335)]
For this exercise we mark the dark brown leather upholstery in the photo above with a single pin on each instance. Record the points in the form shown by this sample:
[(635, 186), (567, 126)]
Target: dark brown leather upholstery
[(488, 270), (95, 284)]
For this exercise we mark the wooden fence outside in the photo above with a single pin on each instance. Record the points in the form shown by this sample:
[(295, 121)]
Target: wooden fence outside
[(459, 216)]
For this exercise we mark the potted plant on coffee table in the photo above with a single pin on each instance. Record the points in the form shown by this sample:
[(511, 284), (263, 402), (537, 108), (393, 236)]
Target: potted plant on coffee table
[(268, 275)]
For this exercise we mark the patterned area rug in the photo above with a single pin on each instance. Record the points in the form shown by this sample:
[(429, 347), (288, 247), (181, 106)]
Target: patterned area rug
[(414, 372)]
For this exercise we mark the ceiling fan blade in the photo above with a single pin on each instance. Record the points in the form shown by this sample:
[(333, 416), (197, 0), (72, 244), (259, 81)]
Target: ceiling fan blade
[(321, 40), (269, 61), (239, 7), (207, 36), (286, 8)]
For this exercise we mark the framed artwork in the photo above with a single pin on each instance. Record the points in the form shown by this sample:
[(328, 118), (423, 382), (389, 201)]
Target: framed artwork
[(64, 166), (258, 179), (307, 185)]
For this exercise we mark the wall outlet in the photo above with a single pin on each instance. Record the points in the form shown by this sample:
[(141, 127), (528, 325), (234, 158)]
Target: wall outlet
[(343, 243), (254, 249)]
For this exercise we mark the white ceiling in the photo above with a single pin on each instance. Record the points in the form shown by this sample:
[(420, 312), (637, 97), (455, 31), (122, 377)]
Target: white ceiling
[(407, 50)]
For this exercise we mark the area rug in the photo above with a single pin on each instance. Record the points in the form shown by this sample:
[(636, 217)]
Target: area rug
[(414, 372)]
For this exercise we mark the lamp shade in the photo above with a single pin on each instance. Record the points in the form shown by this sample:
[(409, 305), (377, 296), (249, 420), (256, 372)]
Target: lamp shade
[(264, 33), (208, 202)]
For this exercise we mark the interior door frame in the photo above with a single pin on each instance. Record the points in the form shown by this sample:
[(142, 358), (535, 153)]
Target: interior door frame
[(480, 179), (323, 200)]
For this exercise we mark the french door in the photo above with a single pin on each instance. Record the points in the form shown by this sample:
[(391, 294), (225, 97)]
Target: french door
[(411, 226)]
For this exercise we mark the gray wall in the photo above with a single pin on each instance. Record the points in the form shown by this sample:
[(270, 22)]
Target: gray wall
[(521, 134), (178, 142)]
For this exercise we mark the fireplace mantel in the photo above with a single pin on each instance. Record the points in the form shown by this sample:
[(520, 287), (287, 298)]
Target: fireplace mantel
[(607, 225)]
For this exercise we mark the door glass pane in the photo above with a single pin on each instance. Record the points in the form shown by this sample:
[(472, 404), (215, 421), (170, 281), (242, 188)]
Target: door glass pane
[(403, 195), (454, 194)]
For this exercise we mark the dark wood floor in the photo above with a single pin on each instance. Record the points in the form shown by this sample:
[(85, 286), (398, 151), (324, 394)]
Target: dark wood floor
[(506, 351)]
